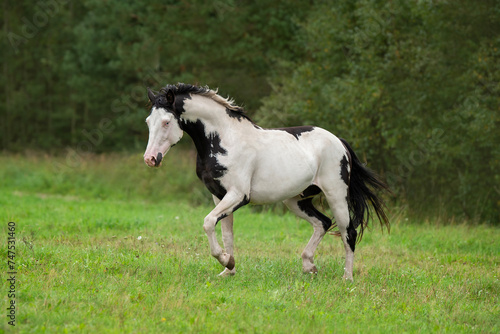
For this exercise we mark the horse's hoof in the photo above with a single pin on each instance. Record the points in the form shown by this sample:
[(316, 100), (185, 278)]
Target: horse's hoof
[(226, 272), (231, 263), (311, 270)]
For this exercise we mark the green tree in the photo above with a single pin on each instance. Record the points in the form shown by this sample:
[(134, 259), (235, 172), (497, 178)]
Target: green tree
[(414, 87), (79, 79)]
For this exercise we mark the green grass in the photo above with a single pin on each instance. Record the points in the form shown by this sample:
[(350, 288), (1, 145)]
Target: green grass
[(81, 266)]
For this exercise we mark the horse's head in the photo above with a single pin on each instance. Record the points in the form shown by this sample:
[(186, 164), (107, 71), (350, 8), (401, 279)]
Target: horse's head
[(164, 129)]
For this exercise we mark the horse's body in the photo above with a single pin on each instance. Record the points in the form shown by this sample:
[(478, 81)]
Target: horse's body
[(241, 163)]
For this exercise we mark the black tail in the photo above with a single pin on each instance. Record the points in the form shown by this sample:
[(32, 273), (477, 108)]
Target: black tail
[(362, 183)]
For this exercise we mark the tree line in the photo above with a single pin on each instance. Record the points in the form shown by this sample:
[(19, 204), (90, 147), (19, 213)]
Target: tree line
[(412, 85)]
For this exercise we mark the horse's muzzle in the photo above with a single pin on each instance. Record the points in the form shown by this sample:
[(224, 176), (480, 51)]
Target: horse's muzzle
[(153, 161)]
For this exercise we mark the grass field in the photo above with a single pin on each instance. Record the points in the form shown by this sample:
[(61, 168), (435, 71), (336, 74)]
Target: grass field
[(110, 246)]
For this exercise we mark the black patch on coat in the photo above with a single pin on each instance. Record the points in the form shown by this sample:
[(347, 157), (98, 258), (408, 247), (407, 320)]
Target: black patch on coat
[(344, 171), (307, 206), (239, 114), (244, 202), (208, 168), (352, 234), (296, 131), (220, 218), (311, 191)]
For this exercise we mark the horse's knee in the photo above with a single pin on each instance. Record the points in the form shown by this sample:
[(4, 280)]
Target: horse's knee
[(206, 228), (208, 225)]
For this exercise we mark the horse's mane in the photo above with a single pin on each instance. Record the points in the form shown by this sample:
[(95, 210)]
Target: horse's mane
[(228, 103)]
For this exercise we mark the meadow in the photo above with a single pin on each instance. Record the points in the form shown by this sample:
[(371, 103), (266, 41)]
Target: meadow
[(105, 244)]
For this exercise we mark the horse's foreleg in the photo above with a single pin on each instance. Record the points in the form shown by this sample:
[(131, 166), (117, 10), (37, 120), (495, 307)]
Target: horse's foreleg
[(223, 212), (227, 239)]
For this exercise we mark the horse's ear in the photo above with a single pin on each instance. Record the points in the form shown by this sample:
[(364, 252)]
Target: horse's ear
[(170, 97), (151, 95)]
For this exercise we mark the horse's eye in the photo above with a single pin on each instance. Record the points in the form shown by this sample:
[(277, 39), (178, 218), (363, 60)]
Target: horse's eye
[(166, 123)]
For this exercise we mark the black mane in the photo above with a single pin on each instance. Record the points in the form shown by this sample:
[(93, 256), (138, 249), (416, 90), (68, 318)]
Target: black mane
[(186, 89), (182, 88)]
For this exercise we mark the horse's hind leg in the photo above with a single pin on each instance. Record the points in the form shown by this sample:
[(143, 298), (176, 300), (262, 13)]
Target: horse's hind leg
[(303, 208), (337, 200)]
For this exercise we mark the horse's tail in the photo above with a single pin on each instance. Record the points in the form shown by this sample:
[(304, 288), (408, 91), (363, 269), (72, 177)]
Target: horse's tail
[(362, 184)]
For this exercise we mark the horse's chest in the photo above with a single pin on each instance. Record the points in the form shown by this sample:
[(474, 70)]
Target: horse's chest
[(209, 171)]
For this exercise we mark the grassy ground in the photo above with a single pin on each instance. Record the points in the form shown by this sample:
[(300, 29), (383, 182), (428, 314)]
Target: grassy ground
[(111, 246)]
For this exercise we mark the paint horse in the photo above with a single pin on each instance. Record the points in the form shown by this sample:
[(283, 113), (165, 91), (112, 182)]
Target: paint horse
[(241, 163)]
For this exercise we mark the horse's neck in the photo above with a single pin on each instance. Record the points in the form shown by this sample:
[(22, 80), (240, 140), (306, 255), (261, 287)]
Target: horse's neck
[(208, 133)]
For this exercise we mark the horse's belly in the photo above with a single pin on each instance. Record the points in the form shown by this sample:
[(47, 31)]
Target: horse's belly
[(278, 180), (269, 196)]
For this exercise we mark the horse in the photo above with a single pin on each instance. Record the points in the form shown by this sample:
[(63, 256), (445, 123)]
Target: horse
[(241, 163)]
